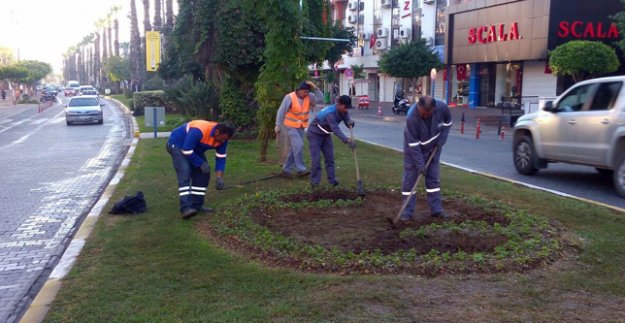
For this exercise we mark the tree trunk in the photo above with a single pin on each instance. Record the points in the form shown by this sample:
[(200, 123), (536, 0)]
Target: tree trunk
[(135, 49), (146, 15), (169, 14), (104, 51), (157, 15), (116, 28), (96, 59), (110, 40)]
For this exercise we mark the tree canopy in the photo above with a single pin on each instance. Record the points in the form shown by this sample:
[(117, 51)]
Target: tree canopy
[(583, 59), (410, 60)]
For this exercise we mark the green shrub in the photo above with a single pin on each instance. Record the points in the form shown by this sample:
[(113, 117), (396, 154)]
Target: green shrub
[(233, 107), (154, 83), (194, 99), (149, 99)]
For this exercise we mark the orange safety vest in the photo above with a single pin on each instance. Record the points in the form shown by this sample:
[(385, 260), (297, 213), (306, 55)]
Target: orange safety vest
[(205, 127), (297, 116)]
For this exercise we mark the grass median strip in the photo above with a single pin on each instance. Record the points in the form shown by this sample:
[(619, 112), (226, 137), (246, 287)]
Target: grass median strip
[(157, 267)]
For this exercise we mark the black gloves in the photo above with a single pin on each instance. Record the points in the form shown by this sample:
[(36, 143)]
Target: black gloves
[(205, 168), (219, 183), (351, 123)]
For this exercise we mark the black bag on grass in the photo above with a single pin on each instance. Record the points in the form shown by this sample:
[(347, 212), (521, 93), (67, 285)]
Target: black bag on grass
[(132, 204)]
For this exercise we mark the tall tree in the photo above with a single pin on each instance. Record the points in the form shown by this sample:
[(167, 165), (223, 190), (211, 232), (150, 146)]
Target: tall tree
[(96, 58), (284, 64), (104, 46), (157, 15), (146, 15), (116, 28), (169, 14), (136, 73), (109, 34)]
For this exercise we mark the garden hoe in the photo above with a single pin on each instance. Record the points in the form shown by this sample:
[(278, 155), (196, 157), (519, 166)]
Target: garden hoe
[(393, 222), (359, 189)]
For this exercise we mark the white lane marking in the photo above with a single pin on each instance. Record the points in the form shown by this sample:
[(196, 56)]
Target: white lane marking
[(15, 124), (23, 138), (532, 186)]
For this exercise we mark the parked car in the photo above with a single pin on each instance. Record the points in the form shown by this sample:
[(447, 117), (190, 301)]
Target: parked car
[(89, 92), (585, 126), (84, 109)]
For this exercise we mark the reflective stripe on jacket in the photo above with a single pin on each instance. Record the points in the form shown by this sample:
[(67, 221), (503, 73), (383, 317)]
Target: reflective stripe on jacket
[(297, 115)]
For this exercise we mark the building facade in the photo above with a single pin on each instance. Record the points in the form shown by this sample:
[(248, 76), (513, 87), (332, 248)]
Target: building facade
[(497, 50), (381, 25)]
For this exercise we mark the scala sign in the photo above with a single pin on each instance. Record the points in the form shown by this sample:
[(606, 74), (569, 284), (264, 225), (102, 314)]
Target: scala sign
[(580, 29), (493, 33)]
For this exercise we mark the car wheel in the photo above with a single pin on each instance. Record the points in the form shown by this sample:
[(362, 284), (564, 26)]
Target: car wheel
[(604, 172), (619, 176), (69, 123), (395, 110), (525, 156), (101, 121)]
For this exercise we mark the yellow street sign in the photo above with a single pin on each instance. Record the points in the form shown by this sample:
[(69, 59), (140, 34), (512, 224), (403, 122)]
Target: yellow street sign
[(152, 50)]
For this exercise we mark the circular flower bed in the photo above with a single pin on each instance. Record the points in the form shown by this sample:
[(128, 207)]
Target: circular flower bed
[(338, 231)]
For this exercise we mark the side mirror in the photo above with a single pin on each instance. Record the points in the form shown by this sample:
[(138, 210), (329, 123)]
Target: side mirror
[(548, 106)]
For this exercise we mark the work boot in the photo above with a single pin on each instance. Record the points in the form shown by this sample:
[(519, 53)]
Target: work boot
[(286, 174), (302, 173), (206, 209), (335, 183), (441, 215), (188, 213), (405, 218)]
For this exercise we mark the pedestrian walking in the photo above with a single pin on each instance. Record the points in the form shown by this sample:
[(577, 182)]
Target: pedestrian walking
[(293, 116), (427, 126), (319, 136), (4, 94), (187, 145)]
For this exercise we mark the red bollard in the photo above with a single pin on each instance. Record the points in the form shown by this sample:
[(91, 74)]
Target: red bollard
[(478, 129), (503, 132), (380, 110)]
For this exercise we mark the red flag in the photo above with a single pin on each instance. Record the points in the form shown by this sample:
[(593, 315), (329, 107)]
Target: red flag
[(461, 72), (372, 41)]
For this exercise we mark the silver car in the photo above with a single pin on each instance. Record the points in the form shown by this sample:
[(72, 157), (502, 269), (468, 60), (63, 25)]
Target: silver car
[(84, 109), (585, 126)]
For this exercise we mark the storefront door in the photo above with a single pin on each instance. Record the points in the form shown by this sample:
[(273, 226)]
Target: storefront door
[(486, 73)]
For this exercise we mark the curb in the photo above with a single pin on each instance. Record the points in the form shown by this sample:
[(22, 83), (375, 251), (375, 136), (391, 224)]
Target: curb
[(38, 309), (532, 186)]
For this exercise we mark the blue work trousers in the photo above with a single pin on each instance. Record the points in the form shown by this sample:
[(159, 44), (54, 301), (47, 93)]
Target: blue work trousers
[(192, 183), (321, 144), (295, 158), (432, 184)]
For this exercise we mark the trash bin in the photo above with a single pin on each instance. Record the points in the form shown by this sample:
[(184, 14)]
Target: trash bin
[(326, 98)]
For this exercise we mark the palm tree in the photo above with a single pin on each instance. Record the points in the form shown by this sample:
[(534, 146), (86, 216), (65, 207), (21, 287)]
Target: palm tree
[(146, 15), (116, 28), (108, 32), (96, 58), (136, 75), (169, 14), (157, 15)]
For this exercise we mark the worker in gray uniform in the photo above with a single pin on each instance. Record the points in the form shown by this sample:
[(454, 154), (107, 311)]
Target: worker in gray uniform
[(427, 126)]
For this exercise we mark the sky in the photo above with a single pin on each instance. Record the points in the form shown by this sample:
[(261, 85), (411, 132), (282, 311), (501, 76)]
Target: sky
[(43, 30)]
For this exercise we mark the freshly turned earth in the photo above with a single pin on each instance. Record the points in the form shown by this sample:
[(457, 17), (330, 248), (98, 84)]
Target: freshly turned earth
[(366, 227)]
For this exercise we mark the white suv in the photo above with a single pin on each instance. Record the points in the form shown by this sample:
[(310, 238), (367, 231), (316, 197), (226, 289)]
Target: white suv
[(585, 125)]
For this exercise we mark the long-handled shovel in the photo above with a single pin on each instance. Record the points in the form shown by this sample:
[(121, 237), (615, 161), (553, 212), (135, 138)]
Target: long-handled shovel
[(359, 189), (414, 188)]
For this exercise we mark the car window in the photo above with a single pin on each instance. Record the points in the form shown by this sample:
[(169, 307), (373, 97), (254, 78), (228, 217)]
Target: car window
[(574, 100), (605, 96), (83, 102)]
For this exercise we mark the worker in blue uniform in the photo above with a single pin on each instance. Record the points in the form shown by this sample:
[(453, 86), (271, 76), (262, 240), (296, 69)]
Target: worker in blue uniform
[(319, 136), (187, 145), (427, 126)]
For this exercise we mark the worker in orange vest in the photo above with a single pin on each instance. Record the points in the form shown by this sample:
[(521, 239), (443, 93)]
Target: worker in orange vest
[(293, 116)]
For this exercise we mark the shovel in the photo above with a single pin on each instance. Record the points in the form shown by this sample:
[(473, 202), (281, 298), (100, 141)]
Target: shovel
[(414, 188), (359, 189)]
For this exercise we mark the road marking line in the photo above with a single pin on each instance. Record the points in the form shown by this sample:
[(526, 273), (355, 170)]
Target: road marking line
[(23, 138), (528, 185)]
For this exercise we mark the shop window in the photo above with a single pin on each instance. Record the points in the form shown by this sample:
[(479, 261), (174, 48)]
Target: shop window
[(439, 35)]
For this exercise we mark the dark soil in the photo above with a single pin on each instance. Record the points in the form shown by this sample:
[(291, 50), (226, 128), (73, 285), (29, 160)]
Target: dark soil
[(366, 227)]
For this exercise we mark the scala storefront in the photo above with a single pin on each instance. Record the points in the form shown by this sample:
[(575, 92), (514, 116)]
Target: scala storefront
[(497, 51)]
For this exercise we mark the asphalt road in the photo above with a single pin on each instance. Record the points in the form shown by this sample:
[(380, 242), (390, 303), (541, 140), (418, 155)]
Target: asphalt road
[(491, 155), (51, 175)]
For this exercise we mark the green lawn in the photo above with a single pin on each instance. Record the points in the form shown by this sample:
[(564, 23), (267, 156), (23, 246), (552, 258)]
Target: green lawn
[(155, 267)]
